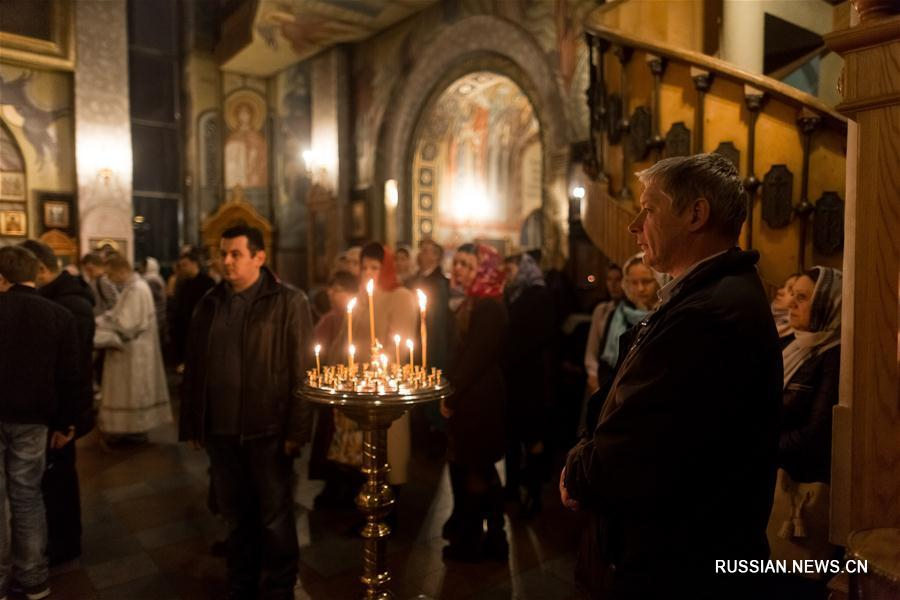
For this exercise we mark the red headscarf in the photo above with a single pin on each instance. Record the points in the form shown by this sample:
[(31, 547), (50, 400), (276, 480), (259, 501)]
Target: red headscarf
[(489, 276), (387, 276)]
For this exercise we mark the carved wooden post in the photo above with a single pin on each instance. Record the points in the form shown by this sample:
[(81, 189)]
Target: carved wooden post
[(753, 99), (865, 469), (657, 66), (595, 165), (702, 83), (808, 123), (624, 56)]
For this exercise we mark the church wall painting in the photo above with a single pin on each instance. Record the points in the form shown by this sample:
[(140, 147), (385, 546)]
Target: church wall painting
[(292, 135), (246, 154), (246, 151), (381, 62), (36, 139), (468, 168)]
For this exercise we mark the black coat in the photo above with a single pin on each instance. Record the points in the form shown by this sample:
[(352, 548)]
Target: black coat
[(39, 361), (276, 349), (804, 444), (76, 296), (437, 320), (527, 363), (680, 470), (476, 429), (188, 293)]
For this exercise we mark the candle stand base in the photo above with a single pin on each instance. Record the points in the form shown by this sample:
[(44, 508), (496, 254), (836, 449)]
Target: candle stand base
[(374, 414)]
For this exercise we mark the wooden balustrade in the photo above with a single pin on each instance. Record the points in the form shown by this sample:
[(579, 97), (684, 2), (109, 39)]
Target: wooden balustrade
[(788, 146)]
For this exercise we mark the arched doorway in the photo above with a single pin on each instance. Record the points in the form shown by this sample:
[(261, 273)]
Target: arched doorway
[(477, 163), (473, 44)]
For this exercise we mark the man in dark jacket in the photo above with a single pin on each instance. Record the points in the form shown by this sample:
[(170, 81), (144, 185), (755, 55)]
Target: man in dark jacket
[(248, 348), (432, 281), (680, 471), (40, 374), (192, 284), (60, 484)]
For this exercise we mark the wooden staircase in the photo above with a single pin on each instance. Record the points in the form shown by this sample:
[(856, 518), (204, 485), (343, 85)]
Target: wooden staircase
[(649, 101)]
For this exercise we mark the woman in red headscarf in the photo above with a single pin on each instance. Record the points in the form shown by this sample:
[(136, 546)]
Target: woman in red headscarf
[(474, 412)]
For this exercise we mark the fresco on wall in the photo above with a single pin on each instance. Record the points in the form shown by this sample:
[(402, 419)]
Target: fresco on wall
[(382, 61), (246, 153), (288, 31), (470, 155), (36, 106), (557, 26), (293, 137)]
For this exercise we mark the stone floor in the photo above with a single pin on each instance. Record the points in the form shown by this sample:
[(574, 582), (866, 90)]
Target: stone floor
[(147, 535)]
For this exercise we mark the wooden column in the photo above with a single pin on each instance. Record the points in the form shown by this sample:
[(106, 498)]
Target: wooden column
[(866, 435)]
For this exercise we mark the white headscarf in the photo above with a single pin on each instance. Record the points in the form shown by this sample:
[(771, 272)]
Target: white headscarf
[(824, 323)]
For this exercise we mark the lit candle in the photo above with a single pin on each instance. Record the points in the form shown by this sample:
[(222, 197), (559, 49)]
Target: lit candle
[(370, 289), (318, 366), (384, 363), (352, 352), (350, 306), (397, 349), (409, 346), (423, 302)]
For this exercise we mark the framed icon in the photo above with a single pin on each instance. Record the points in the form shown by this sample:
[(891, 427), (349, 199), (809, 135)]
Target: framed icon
[(12, 186), (56, 214), (13, 222)]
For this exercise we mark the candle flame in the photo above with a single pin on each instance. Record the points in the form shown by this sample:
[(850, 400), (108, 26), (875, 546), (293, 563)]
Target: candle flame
[(351, 305), (370, 287), (318, 348), (409, 344), (396, 338), (352, 350), (423, 299)]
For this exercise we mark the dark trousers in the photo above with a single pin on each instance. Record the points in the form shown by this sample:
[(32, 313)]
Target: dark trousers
[(62, 501), (477, 495), (252, 483)]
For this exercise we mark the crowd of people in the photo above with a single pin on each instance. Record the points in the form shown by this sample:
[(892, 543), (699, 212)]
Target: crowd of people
[(704, 410)]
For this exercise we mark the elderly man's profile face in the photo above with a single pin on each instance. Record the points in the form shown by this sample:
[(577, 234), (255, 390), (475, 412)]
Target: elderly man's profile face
[(658, 230)]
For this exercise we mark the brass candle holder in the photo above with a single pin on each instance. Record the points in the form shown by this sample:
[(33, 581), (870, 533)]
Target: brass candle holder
[(374, 395)]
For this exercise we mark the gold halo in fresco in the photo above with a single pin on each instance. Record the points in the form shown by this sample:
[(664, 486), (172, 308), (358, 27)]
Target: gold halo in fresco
[(245, 100)]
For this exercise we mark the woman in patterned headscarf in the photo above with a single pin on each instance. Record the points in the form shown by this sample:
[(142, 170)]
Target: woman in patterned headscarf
[(474, 412), (798, 525), (812, 359)]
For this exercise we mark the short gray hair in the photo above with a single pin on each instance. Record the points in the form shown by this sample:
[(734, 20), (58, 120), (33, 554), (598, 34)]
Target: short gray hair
[(710, 176)]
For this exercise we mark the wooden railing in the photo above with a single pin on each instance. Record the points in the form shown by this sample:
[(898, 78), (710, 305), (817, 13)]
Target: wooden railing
[(648, 101)]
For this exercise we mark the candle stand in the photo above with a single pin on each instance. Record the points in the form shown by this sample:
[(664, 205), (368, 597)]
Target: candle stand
[(374, 404)]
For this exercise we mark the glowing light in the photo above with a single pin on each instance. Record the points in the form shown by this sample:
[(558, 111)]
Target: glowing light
[(391, 195), (471, 202), (578, 192), (423, 300), (309, 158), (351, 305)]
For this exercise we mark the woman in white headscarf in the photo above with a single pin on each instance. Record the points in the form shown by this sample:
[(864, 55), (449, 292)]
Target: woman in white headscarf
[(798, 526)]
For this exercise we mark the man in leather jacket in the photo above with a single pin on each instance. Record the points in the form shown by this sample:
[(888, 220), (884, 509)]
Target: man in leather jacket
[(248, 347), (679, 474)]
